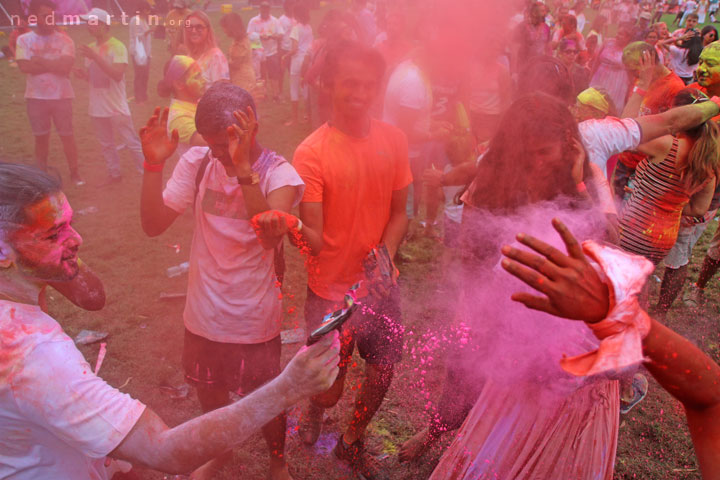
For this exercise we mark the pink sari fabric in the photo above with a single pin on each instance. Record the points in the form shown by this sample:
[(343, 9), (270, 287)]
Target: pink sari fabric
[(532, 431), (524, 434)]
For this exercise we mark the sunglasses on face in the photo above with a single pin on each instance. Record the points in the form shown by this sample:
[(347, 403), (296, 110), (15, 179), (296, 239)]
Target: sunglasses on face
[(198, 28)]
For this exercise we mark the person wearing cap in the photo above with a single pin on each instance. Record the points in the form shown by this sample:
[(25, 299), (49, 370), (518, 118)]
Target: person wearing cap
[(106, 61), (643, 24), (46, 56), (173, 25), (271, 32)]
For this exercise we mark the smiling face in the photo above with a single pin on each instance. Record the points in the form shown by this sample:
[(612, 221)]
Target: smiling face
[(354, 88), (47, 245), (196, 31), (709, 37), (708, 71)]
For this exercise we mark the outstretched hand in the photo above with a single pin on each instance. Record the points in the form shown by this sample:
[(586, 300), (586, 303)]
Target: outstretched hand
[(314, 368), (241, 137), (156, 145), (572, 287)]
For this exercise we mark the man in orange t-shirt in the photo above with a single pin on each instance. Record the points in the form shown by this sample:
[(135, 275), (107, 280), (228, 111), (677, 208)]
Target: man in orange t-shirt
[(357, 173)]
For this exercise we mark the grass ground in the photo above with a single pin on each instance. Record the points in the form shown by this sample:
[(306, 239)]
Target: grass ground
[(145, 340)]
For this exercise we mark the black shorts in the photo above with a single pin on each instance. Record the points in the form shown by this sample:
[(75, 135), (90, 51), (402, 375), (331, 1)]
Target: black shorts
[(273, 69), (239, 368), (378, 335)]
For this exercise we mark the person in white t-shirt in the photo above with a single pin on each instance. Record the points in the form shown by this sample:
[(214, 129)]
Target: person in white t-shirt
[(46, 56), (287, 22), (58, 420), (140, 48), (233, 309), (301, 38), (106, 60), (271, 33)]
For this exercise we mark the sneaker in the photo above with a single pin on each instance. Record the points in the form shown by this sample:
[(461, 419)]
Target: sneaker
[(311, 424), (363, 464), (694, 296), (640, 388), (111, 181)]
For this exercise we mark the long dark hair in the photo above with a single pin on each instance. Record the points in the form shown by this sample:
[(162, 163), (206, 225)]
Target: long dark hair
[(695, 46), (506, 175), (703, 160)]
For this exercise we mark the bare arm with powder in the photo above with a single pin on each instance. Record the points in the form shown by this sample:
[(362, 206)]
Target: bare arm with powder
[(155, 216), (676, 119), (186, 447), (569, 281), (397, 225)]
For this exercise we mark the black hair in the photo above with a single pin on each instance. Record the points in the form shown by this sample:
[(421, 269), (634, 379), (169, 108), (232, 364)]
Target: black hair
[(351, 50), (20, 187), (215, 108), (36, 5), (548, 75)]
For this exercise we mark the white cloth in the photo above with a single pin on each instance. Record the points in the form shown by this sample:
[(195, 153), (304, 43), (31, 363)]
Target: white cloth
[(609, 136), (302, 34), (287, 25), (46, 86), (678, 62), (232, 294), (408, 88), (108, 97), (270, 27), (138, 29), (452, 210), (57, 419)]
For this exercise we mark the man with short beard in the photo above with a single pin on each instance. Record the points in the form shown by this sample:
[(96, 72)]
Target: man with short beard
[(57, 419)]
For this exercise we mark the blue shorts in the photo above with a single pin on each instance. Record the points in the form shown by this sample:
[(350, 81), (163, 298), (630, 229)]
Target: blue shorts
[(41, 112)]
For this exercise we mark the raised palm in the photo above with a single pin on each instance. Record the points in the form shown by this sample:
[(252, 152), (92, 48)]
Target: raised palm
[(157, 146)]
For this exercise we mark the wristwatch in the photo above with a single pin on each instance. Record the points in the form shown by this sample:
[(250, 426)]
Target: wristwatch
[(252, 179)]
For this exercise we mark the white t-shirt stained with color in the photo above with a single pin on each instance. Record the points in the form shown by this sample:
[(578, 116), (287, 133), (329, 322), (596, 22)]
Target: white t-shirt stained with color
[(108, 97), (408, 88), (57, 419), (46, 86), (232, 293), (607, 137)]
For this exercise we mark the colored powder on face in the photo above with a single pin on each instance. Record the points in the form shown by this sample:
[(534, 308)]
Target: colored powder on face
[(593, 98)]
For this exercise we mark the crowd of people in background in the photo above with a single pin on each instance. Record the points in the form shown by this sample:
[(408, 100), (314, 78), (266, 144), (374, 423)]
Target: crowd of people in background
[(606, 110)]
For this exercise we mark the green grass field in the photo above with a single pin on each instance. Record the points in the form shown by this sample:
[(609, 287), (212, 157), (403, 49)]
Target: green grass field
[(145, 340)]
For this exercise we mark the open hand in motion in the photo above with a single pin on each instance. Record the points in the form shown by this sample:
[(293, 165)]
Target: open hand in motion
[(241, 137), (572, 287), (157, 146)]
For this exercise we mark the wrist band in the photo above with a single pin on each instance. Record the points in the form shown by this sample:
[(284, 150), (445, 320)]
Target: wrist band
[(581, 187), (153, 167), (639, 91)]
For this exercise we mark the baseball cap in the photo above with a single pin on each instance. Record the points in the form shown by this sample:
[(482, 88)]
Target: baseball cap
[(96, 16)]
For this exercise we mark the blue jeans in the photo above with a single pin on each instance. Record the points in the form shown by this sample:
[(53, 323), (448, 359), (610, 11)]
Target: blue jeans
[(122, 125)]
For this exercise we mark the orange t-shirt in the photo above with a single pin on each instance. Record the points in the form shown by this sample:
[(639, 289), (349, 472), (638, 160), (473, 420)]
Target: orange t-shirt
[(354, 179)]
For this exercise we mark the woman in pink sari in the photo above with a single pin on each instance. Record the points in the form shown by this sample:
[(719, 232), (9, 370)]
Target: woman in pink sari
[(532, 420)]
